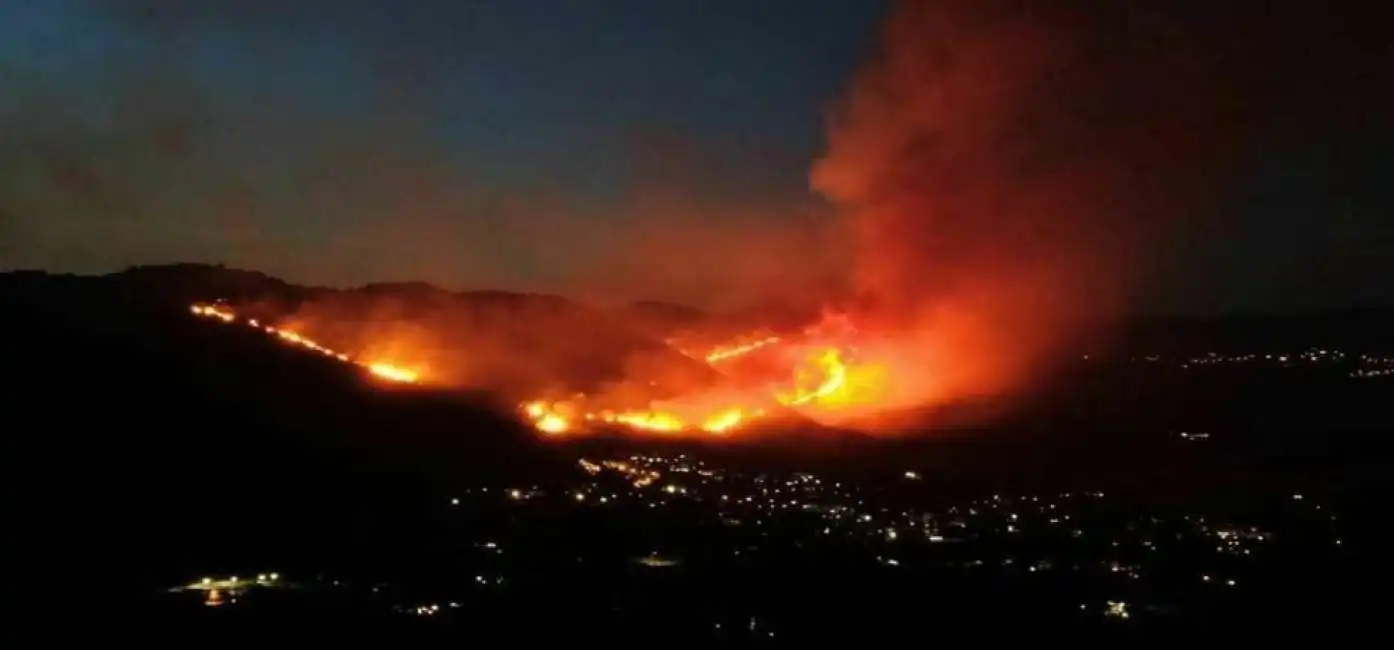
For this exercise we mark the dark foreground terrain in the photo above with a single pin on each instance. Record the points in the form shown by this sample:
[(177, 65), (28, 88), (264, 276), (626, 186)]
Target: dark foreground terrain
[(153, 459)]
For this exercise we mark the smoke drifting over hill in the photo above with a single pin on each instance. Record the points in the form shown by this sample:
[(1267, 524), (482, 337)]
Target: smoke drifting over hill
[(1002, 166), (1001, 176)]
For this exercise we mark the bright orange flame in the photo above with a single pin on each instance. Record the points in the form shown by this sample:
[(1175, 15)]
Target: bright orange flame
[(823, 379), (389, 371), (552, 424), (565, 417), (828, 375), (213, 312), (723, 422), (660, 422), (379, 369), (722, 353), (544, 419)]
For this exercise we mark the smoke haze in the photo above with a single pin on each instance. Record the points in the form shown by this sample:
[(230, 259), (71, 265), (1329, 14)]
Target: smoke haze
[(489, 145), (1003, 167), (999, 176)]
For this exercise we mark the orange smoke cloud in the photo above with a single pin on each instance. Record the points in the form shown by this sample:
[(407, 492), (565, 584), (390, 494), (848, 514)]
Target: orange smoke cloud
[(1001, 170), (1000, 166)]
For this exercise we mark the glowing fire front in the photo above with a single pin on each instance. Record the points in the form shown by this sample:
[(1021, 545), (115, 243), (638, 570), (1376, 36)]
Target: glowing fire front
[(378, 368), (562, 417), (820, 378), (724, 352)]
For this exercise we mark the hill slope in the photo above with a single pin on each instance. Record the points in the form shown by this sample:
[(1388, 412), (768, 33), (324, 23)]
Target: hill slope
[(518, 344), (136, 430)]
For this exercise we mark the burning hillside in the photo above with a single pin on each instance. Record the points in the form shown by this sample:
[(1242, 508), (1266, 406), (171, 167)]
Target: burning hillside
[(760, 377), (997, 168), (377, 367)]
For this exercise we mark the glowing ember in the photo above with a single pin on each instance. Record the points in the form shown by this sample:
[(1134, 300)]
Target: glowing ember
[(379, 369)]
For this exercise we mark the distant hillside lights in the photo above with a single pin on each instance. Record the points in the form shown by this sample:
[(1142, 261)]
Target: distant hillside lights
[(378, 369), (1366, 366), (221, 591)]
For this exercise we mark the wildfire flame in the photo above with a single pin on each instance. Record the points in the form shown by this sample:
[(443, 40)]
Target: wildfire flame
[(820, 377), (722, 353), (827, 376), (378, 368), (389, 371), (560, 417)]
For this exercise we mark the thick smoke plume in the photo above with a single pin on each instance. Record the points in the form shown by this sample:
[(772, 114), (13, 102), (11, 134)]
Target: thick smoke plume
[(1004, 167)]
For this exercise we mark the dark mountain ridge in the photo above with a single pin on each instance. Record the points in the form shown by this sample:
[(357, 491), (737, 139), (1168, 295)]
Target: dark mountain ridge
[(1361, 326)]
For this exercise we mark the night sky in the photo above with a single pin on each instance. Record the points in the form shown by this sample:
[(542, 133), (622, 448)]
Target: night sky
[(611, 149)]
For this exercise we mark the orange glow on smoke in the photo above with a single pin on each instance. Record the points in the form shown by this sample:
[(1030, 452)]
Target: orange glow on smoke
[(996, 175), (988, 220)]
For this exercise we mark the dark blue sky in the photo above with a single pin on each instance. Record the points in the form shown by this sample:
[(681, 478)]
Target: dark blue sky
[(611, 148), (480, 143)]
